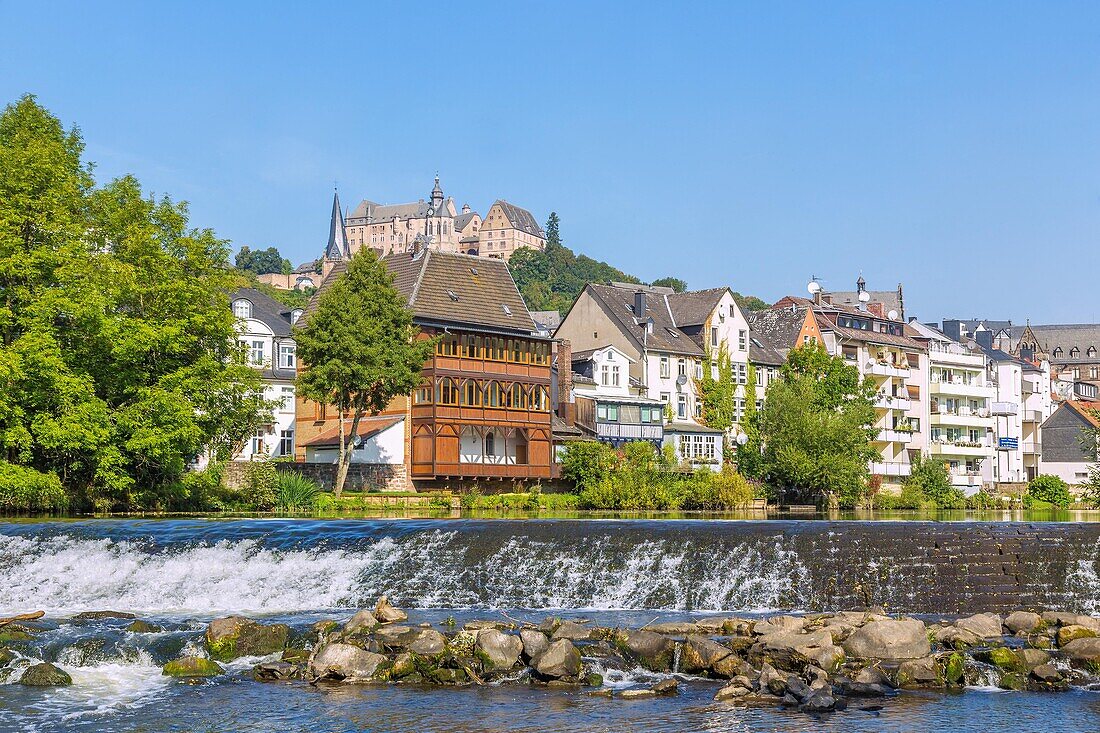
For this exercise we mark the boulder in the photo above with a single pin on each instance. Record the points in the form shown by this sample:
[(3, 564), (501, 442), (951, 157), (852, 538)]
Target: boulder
[(143, 627), (96, 615), (534, 643), (731, 666), (344, 662), (889, 639), (573, 631), (1031, 658), (666, 688), (362, 622), (985, 625), (560, 660), (7, 656), (274, 671), (1084, 653), (653, 651), (701, 654), (499, 650), (731, 692), (1066, 634), (955, 638), (235, 636), (1022, 622), (924, 672), (796, 650), (1058, 618), (387, 613), (480, 623), (778, 624), (821, 701), (187, 667), (428, 642), (1047, 673), (675, 628), (397, 637), (771, 680), (798, 688), (45, 674), (636, 694)]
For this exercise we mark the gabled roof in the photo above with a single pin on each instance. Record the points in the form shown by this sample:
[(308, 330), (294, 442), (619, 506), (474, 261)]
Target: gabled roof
[(890, 299), (587, 354), (694, 307), (779, 326), (1064, 336), (368, 428), (520, 218), (763, 351), (1088, 411), (546, 320), (266, 310), (463, 219), (665, 336)]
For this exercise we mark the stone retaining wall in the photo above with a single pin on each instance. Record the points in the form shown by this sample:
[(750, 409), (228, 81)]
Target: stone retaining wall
[(361, 476)]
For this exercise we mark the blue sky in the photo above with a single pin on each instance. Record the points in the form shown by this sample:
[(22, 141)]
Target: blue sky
[(954, 147)]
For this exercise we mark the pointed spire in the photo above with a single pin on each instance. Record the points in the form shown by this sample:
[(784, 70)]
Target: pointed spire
[(337, 248), (437, 194)]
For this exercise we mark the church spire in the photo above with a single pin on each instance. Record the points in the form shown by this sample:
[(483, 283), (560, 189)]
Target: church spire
[(437, 194), (337, 248)]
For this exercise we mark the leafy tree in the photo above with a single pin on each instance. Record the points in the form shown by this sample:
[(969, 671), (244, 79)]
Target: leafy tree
[(816, 428), (360, 348), (675, 283), (587, 463), (718, 394), (749, 455), (749, 302), (930, 480), (117, 347), (262, 261), (1050, 489)]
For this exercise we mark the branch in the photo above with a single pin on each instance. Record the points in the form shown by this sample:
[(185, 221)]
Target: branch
[(22, 617)]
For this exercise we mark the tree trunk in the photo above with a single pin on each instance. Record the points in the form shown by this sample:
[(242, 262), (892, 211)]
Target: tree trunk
[(346, 451)]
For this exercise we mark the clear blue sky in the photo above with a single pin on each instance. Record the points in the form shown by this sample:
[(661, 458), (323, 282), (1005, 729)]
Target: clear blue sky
[(952, 146)]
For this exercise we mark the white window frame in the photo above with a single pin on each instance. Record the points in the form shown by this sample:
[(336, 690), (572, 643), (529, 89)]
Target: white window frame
[(256, 352), (285, 351)]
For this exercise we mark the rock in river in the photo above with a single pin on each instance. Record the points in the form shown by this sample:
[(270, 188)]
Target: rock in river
[(387, 613), (893, 640), (236, 636), (45, 674), (192, 667), (344, 662), (560, 660), (499, 649), (652, 651)]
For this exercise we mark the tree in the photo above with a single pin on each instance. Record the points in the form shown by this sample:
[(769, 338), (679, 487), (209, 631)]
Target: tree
[(118, 356), (930, 480), (675, 283), (816, 427), (262, 261), (749, 302), (718, 394), (553, 231), (749, 454), (1050, 489), (360, 348)]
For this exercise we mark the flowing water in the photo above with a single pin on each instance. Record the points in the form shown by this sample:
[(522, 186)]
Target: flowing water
[(181, 573)]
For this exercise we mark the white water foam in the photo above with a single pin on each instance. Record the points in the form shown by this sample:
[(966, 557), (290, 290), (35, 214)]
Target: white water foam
[(1083, 581)]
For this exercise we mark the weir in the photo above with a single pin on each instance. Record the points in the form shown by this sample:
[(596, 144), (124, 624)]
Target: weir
[(289, 566)]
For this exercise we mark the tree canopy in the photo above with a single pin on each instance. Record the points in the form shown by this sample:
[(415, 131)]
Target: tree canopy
[(359, 347), (262, 261), (118, 356)]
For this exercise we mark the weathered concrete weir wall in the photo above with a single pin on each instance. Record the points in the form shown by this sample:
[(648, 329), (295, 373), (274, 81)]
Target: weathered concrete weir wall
[(294, 565)]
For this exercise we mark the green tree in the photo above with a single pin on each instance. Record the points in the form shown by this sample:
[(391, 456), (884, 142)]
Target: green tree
[(262, 261), (816, 428), (675, 283), (750, 453), (1050, 489), (749, 302), (718, 394), (553, 231), (930, 480), (360, 348), (118, 357)]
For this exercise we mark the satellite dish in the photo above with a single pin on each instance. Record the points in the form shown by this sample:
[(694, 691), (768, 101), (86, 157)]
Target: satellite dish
[(892, 315), (864, 296), (972, 344), (814, 287), (681, 379), (742, 439)]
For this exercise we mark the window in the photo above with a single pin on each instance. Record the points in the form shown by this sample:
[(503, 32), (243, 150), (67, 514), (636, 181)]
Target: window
[(605, 374), (494, 396), (286, 443), (256, 353), (258, 447), (519, 397), (286, 356), (490, 444), (1091, 353), (1093, 372), (446, 392), (1058, 352), (540, 399), (615, 375), (666, 397), (471, 393), (613, 413), (681, 405), (698, 370), (698, 409), (742, 374), (681, 367), (288, 399), (423, 395), (601, 412), (242, 308), (851, 353), (743, 340), (664, 367), (714, 336), (1074, 353)]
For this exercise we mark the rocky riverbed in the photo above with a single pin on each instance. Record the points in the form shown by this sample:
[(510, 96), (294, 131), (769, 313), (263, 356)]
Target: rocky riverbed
[(816, 663)]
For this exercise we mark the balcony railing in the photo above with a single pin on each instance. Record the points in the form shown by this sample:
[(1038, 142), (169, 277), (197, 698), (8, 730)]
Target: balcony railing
[(966, 478), (891, 402), (1032, 416), (629, 431), (894, 436), (1005, 408), (888, 370), (890, 468), (1032, 446), (960, 447)]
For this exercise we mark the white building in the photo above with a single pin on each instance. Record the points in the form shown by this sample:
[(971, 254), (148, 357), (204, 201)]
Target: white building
[(263, 331), (1020, 406), (609, 402)]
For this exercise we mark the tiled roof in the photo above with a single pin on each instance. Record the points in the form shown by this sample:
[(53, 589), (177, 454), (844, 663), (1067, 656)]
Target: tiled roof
[(763, 351), (1066, 337), (546, 320), (266, 310), (368, 427), (463, 219), (619, 302), (694, 307), (890, 299), (874, 337), (1088, 410), (520, 218), (779, 326)]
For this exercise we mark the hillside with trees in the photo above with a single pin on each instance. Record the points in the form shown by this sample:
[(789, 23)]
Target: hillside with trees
[(553, 278)]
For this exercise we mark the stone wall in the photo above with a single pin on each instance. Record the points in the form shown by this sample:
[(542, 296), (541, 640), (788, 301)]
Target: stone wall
[(361, 476)]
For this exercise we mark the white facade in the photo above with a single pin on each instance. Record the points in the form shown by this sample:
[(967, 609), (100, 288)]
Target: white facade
[(384, 447), (961, 421), (1021, 405)]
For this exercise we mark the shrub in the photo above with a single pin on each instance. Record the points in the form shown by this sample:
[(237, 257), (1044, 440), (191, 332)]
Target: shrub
[(260, 482), (293, 491), (23, 489), (1050, 489), (587, 463), (982, 500), (1090, 489), (930, 479)]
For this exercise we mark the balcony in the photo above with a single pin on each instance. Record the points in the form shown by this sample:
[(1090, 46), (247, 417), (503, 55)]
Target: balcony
[(887, 370), (1003, 409), (1033, 447), (890, 402), (979, 418), (894, 436), (966, 478), (960, 388), (960, 448), (891, 468), (628, 431), (1032, 416)]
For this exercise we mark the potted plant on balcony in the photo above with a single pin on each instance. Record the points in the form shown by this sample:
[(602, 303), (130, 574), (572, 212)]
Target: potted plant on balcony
[(905, 426)]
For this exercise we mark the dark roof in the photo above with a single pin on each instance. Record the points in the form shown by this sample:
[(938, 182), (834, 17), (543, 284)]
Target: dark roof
[(463, 219), (521, 218), (763, 351), (874, 337), (694, 307), (1089, 411), (546, 320), (665, 336), (368, 427), (779, 327), (337, 247), (1064, 336), (891, 299), (266, 310), (447, 288), (689, 427)]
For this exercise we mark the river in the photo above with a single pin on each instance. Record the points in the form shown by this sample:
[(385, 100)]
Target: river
[(179, 574)]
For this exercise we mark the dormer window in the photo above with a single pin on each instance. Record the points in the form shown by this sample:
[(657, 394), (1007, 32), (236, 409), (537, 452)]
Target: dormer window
[(1091, 353), (1058, 352), (295, 315), (1074, 353), (242, 308)]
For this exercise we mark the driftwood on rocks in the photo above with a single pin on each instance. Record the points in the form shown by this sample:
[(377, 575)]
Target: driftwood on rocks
[(33, 616)]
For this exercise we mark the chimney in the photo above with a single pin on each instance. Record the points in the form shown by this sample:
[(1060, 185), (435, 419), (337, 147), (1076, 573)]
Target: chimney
[(567, 408), (639, 304), (984, 337)]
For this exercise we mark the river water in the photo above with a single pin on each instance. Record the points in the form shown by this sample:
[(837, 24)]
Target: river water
[(179, 574)]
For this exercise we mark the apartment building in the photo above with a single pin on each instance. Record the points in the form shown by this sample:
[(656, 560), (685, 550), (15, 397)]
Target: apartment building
[(609, 402)]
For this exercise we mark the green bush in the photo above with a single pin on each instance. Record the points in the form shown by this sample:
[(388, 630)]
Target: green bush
[(982, 500), (23, 489), (587, 463), (1090, 489), (260, 483), (1049, 489), (930, 481), (295, 492)]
